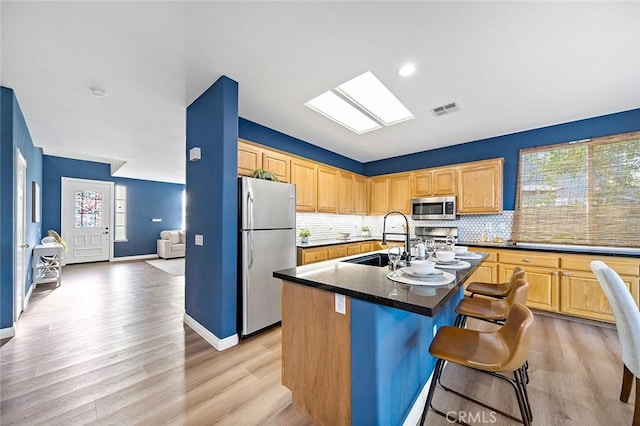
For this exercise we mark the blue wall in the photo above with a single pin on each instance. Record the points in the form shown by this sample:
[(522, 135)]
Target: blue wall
[(212, 209), (145, 200), (507, 146), (14, 133), (265, 136)]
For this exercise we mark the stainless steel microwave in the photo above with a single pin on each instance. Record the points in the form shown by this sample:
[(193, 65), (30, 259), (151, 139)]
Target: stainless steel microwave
[(434, 208)]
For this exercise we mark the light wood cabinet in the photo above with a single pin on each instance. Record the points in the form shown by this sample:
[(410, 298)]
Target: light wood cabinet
[(400, 193), (432, 182), (544, 289), (319, 254), (360, 194), (487, 271), (480, 187), (366, 247), (303, 176), (378, 195), (582, 295), (327, 189), (353, 249), (312, 255), (337, 251), (346, 192), (249, 158), (278, 164)]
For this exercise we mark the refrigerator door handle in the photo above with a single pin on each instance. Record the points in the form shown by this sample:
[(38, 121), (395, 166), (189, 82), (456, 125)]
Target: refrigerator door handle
[(250, 249), (250, 210)]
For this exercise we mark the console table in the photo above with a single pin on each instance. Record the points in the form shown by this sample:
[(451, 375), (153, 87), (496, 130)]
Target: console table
[(46, 263)]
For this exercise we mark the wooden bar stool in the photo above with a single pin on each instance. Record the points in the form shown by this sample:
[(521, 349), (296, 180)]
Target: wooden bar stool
[(495, 290), (490, 352)]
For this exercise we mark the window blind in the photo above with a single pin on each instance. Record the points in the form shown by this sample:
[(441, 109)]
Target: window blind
[(584, 192)]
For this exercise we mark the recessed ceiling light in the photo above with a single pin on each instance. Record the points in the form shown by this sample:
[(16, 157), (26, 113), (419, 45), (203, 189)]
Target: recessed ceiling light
[(99, 93), (406, 70), (337, 109), (372, 96)]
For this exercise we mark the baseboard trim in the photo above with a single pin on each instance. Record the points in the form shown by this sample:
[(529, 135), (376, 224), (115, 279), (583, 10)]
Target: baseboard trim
[(139, 257), (5, 333), (218, 343), (415, 413), (27, 297)]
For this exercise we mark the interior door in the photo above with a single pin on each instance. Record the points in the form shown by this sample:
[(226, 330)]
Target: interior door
[(87, 219), (20, 236)]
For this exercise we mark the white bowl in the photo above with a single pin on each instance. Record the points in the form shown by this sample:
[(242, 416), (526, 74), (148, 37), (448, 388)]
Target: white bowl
[(423, 266), (460, 249), (445, 256), (344, 235)]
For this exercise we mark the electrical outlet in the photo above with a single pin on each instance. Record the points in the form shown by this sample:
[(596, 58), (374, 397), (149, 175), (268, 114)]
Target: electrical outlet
[(341, 304), (199, 240)]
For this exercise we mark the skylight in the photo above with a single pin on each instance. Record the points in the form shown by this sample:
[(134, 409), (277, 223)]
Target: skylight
[(371, 95), (361, 105), (337, 109)]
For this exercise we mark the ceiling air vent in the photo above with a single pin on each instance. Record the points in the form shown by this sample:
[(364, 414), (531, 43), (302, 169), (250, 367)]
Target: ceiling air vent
[(445, 109)]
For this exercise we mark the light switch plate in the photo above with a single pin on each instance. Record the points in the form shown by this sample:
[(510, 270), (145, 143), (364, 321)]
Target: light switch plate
[(199, 240), (341, 304)]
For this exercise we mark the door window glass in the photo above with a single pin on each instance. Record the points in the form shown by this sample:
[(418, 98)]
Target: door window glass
[(88, 209)]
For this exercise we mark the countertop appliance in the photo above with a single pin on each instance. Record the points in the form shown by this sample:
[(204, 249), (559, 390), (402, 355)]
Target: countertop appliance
[(434, 208), (267, 243)]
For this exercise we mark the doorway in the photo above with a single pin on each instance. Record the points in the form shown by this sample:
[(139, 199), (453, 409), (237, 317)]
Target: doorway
[(20, 211), (87, 219)]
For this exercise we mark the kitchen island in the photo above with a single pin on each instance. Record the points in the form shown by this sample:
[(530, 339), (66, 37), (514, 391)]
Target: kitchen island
[(370, 364)]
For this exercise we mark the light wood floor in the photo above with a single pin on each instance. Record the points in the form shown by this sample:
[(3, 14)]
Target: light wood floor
[(109, 347)]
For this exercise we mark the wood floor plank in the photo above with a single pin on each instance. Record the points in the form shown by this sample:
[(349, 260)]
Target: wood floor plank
[(110, 347)]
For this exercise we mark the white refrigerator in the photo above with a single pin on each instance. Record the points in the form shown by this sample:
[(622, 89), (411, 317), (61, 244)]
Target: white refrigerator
[(267, 244)]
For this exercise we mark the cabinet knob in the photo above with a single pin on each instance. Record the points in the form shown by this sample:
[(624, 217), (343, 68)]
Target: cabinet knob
[(525, 260), (565, 274), (555, 272)]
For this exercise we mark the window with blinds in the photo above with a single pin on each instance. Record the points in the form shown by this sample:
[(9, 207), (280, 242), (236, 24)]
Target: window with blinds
[(584, 192)]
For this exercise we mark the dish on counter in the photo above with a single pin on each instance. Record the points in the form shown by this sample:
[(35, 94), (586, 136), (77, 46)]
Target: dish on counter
[(421, 280), (412, 272)]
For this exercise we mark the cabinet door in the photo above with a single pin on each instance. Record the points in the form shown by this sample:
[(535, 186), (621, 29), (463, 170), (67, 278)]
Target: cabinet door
[(582, 295), (480, 188), (249, 158), (337, 251), (314, 255), (444, 182), (327, 190), (360, 194), (487, 272), (346, 192), (353, 249), (366, 247), (278, 164), (379, 196), (303, 176), (421, 186), (544, 288), (400, 193)]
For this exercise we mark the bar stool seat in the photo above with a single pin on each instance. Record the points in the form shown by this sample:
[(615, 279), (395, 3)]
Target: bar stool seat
[(493, 310), (491, 352), (495, 290)]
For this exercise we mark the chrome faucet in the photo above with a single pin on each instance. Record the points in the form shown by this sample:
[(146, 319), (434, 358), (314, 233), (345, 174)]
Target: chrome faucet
[(407, 247)]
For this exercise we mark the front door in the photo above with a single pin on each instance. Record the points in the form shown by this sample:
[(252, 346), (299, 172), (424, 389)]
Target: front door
[(20, 234), (87, 217)]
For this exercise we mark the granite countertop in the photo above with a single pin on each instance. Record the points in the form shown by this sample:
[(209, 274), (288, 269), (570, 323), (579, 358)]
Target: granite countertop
[(370, 283)]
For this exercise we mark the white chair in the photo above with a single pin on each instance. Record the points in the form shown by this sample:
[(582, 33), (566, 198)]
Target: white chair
[(627, 318)]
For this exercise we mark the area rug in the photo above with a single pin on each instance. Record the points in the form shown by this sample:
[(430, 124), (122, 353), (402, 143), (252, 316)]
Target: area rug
[(174, 267)]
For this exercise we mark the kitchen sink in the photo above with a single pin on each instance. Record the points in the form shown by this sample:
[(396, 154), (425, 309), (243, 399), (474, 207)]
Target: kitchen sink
[(375, 259)]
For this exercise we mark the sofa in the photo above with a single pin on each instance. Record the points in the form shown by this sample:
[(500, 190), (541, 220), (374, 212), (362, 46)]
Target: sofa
[(171, 244)]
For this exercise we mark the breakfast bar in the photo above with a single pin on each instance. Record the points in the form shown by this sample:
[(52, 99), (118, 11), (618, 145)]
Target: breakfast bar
[(355, 344)]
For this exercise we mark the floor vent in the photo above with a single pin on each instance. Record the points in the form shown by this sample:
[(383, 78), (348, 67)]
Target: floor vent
[(445, 109)]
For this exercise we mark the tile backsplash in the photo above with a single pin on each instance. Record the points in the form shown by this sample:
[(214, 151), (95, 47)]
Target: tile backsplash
[(470, 228)]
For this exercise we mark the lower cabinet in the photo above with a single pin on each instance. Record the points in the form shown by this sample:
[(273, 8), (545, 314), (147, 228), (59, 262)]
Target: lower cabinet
[(544, 289), (320, 254)]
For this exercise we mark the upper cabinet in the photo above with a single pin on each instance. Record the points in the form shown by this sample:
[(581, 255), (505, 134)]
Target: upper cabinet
[(360, 194), (251, 157), (378, 195), (327, 189), (346, 192), (303, 176), (400, 193), (480, 187), (430, 182)]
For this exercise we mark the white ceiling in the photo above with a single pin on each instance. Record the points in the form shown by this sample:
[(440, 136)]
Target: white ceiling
[(511, 66)]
